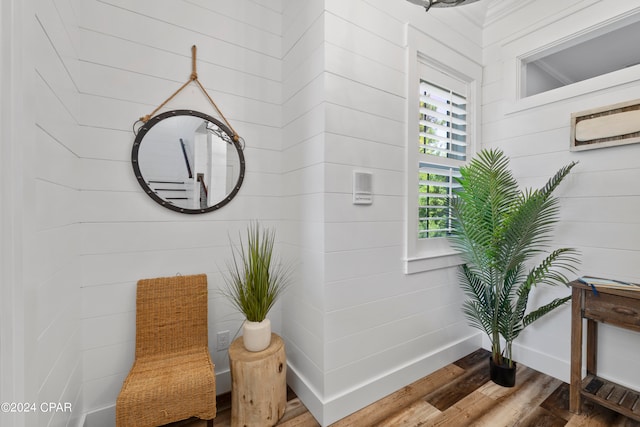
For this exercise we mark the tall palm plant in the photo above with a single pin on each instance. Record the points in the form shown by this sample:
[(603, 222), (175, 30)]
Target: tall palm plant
[(499, 230)]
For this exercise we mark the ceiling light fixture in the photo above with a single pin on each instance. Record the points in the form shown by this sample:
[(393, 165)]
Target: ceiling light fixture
[(428, 4)]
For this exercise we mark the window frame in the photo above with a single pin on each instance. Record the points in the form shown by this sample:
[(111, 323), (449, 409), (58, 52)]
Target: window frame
[(434, 253)]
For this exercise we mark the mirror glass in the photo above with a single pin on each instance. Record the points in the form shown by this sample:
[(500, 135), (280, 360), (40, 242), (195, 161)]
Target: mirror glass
[(188, 161)]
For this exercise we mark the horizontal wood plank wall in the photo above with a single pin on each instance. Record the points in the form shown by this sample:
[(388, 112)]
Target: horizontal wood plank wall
[(598, 198), (52, 243), (361, 328), (131, 57), (303, 152)]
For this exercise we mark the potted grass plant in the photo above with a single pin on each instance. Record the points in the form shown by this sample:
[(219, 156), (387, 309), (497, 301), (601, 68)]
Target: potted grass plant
[(500, 231), (255, 279)]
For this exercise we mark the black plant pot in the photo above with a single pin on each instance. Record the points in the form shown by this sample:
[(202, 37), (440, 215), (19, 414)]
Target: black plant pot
[(502, 374)]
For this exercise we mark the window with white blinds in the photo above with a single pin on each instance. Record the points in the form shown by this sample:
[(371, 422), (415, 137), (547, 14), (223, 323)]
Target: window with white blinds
[(442, 148), (443, 122), (435, 189), (443, 89)]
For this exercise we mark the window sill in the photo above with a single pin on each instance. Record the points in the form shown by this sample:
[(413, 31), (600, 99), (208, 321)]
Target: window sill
[(432, 262)]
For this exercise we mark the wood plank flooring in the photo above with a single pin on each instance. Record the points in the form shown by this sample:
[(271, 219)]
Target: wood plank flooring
[(460, 394)]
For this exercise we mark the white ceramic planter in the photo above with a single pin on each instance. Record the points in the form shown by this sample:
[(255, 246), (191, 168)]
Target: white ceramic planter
[(256, 335)]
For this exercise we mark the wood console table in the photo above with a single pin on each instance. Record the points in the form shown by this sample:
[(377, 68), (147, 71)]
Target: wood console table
[(615, 307)]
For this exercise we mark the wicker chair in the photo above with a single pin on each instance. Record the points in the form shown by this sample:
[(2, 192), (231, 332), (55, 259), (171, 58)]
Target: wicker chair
[(172, 377)]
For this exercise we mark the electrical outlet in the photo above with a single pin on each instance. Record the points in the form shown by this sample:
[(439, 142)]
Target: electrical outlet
[(222, 341)]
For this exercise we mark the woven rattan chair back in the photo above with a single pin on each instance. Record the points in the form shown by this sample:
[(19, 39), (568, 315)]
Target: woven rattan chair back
[(171, 315)]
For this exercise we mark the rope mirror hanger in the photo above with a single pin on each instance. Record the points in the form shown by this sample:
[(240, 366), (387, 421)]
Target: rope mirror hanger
[(194, 78)]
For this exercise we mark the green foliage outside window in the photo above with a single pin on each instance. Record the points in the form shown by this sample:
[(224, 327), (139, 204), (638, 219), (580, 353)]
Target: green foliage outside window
[(433, 205)]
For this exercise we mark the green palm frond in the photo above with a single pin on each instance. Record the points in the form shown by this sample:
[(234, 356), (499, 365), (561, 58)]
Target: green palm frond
[(538, 313), (549, 271), (556, 179), (474, 287), (477, 316)]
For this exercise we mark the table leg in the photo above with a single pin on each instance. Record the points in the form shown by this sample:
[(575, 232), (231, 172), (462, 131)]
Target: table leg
[(592, 346), (576, 351)]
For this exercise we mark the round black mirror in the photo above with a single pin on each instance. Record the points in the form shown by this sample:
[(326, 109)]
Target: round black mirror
[(189, 161)]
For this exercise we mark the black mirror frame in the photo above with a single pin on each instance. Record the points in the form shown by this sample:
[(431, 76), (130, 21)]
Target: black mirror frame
[(142, 131)]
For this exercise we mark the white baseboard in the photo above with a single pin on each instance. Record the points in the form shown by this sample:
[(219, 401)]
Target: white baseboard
[(105, 417), (549, 365), (333, 408)]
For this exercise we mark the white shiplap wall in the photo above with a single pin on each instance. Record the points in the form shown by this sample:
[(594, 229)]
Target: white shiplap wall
[(52, 227), (384, 328), (302, 195), (131, 57), (357, 327), (599, 200)]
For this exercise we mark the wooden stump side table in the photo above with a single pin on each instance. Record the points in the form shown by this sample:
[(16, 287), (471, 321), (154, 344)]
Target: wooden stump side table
[(615, 307), (258, 384)]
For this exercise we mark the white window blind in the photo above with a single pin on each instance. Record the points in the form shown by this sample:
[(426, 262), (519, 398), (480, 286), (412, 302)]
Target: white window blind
[(443, 122), (442, 148), (435, 189)]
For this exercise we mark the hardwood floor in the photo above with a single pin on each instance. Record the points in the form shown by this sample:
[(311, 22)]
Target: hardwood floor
[(460, 394)]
